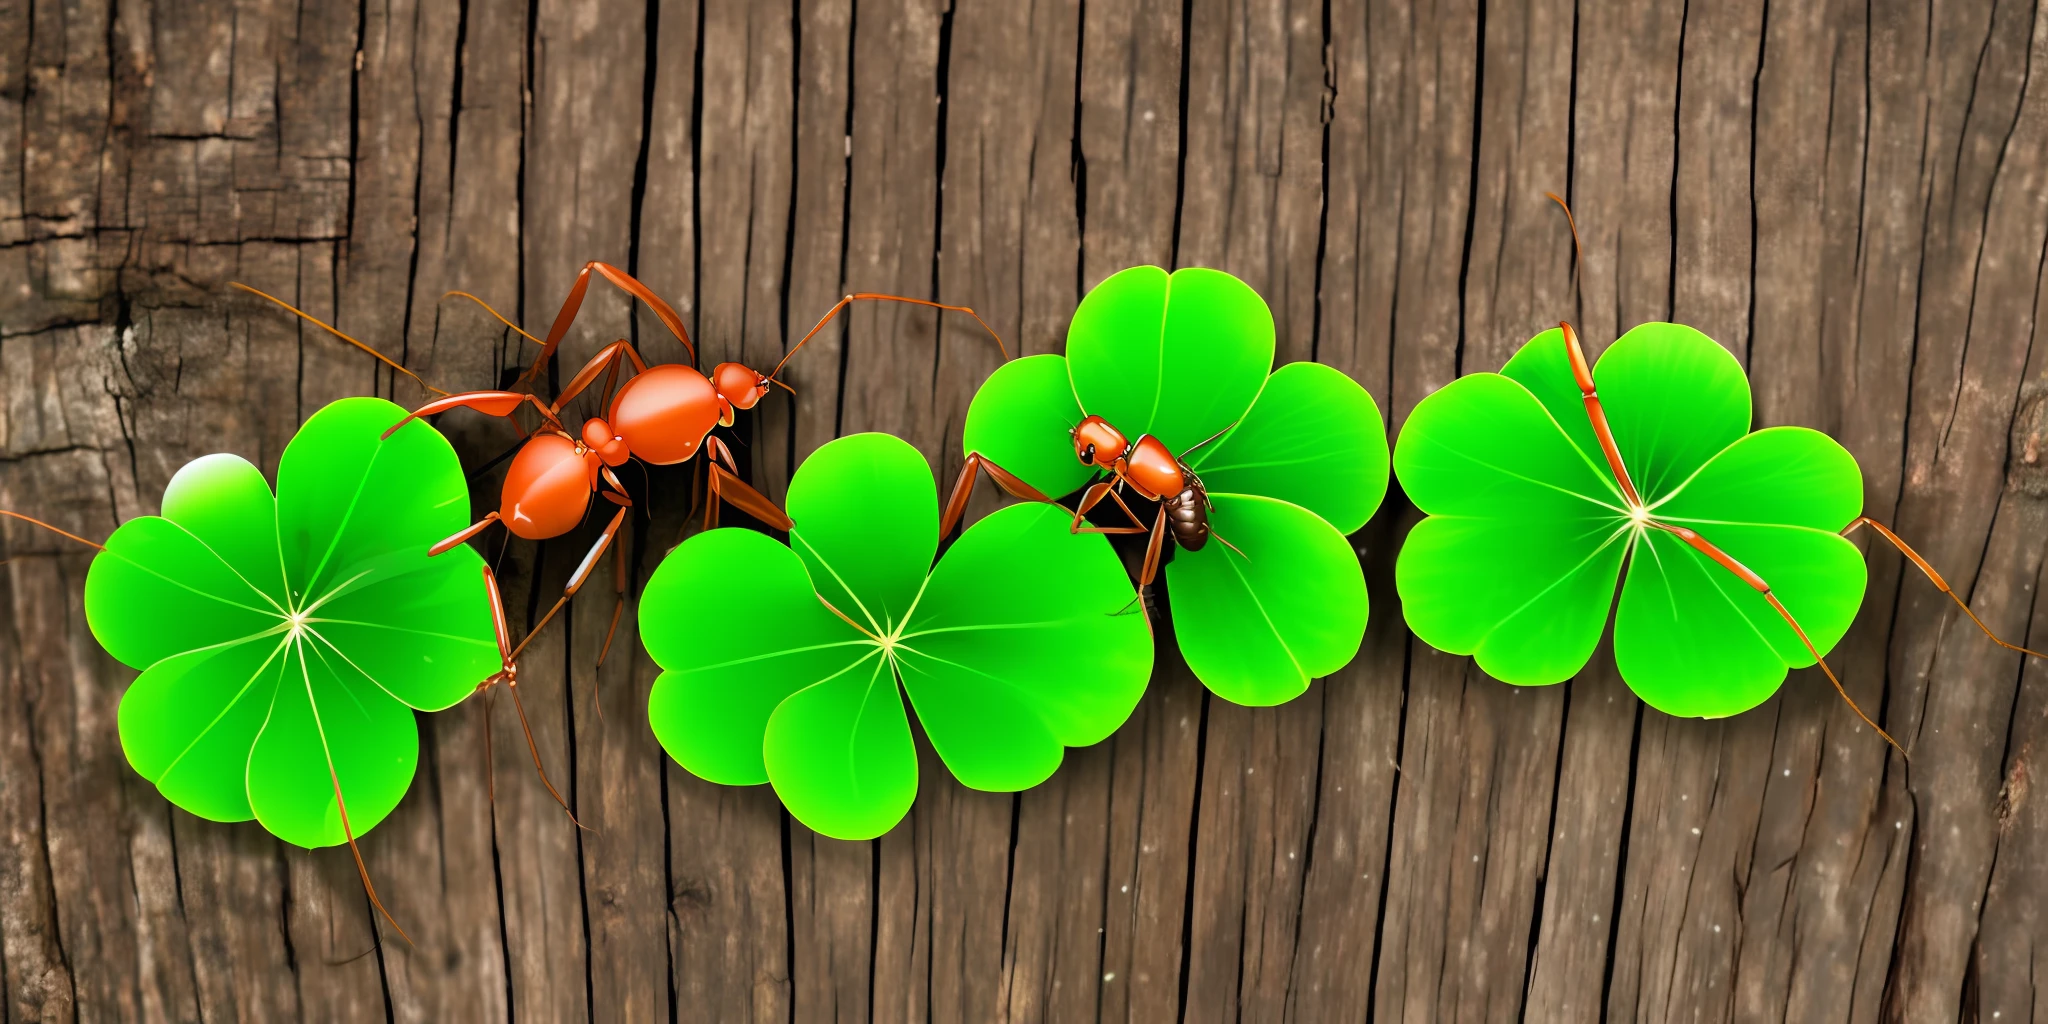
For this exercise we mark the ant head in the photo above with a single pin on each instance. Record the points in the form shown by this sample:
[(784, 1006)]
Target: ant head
[(1096, 443), (739, 385)]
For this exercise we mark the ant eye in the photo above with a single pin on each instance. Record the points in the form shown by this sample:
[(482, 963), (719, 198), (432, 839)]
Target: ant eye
[(1088, 454)]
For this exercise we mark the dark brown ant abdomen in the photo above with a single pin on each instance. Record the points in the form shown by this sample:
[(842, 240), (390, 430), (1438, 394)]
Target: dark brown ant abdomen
[(1187, 513)]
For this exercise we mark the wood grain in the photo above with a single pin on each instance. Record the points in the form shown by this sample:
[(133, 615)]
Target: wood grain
[(1853, 198)]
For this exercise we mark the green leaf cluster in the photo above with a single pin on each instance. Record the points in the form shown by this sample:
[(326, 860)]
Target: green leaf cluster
[(791, 664), (1300, 462), (285, 640), (1528, 532)]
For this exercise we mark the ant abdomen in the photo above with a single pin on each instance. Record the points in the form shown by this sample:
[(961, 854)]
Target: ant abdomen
[(1187, 515)]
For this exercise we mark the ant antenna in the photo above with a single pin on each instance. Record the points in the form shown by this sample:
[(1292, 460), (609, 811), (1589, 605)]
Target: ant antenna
[(495, 313), (1578, 251), (331, 329), (52, 529), (850, 299), (1199, 445)]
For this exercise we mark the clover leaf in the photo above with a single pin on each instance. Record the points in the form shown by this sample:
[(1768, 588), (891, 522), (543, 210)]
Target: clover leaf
[(1301, 462), (1024, 640), (285, 640), (1528, 532)]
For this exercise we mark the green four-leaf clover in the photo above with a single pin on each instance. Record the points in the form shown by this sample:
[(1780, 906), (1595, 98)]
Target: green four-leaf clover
[(1301, 462), (285, 640), (1527, 530), (789, 665)]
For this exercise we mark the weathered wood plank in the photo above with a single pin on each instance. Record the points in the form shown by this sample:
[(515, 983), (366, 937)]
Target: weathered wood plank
[(1847, 195), (1699, 786), (1808, 186), (1129, 131), (1153, 786), (1852, 854), (728, 942), (1251, 204), (2007, 957), (1976, 328), (581, 146), (1009, 247), (832, 910)]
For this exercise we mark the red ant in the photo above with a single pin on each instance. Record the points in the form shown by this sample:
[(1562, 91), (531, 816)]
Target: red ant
[(662, 415), (1147, 465)]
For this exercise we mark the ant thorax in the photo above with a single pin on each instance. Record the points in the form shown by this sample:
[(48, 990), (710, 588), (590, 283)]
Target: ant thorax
[(1154, 470)]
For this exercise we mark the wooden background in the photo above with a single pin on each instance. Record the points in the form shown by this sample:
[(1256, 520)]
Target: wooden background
[(1852, 196)]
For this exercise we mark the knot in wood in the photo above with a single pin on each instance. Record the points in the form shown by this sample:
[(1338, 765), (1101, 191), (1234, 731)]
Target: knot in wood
[(2027, 472)]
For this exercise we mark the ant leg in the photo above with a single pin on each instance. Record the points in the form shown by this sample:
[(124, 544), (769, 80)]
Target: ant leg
[(710, 495), (490, 403), (1093, 496), (611, 378), (618, 578), (1578, 251), (963, 488), (507, 667), (627, 283), (714, 449), (1150, 570), (743, 495), (1153, 549), (505, 670), (727, 486), (576, 579), (606, 357), (718, 450), (1743, 572), (1582, 373), (508, 673), (472, 530), (1935, 578), (1226, 543), (349, 833)]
